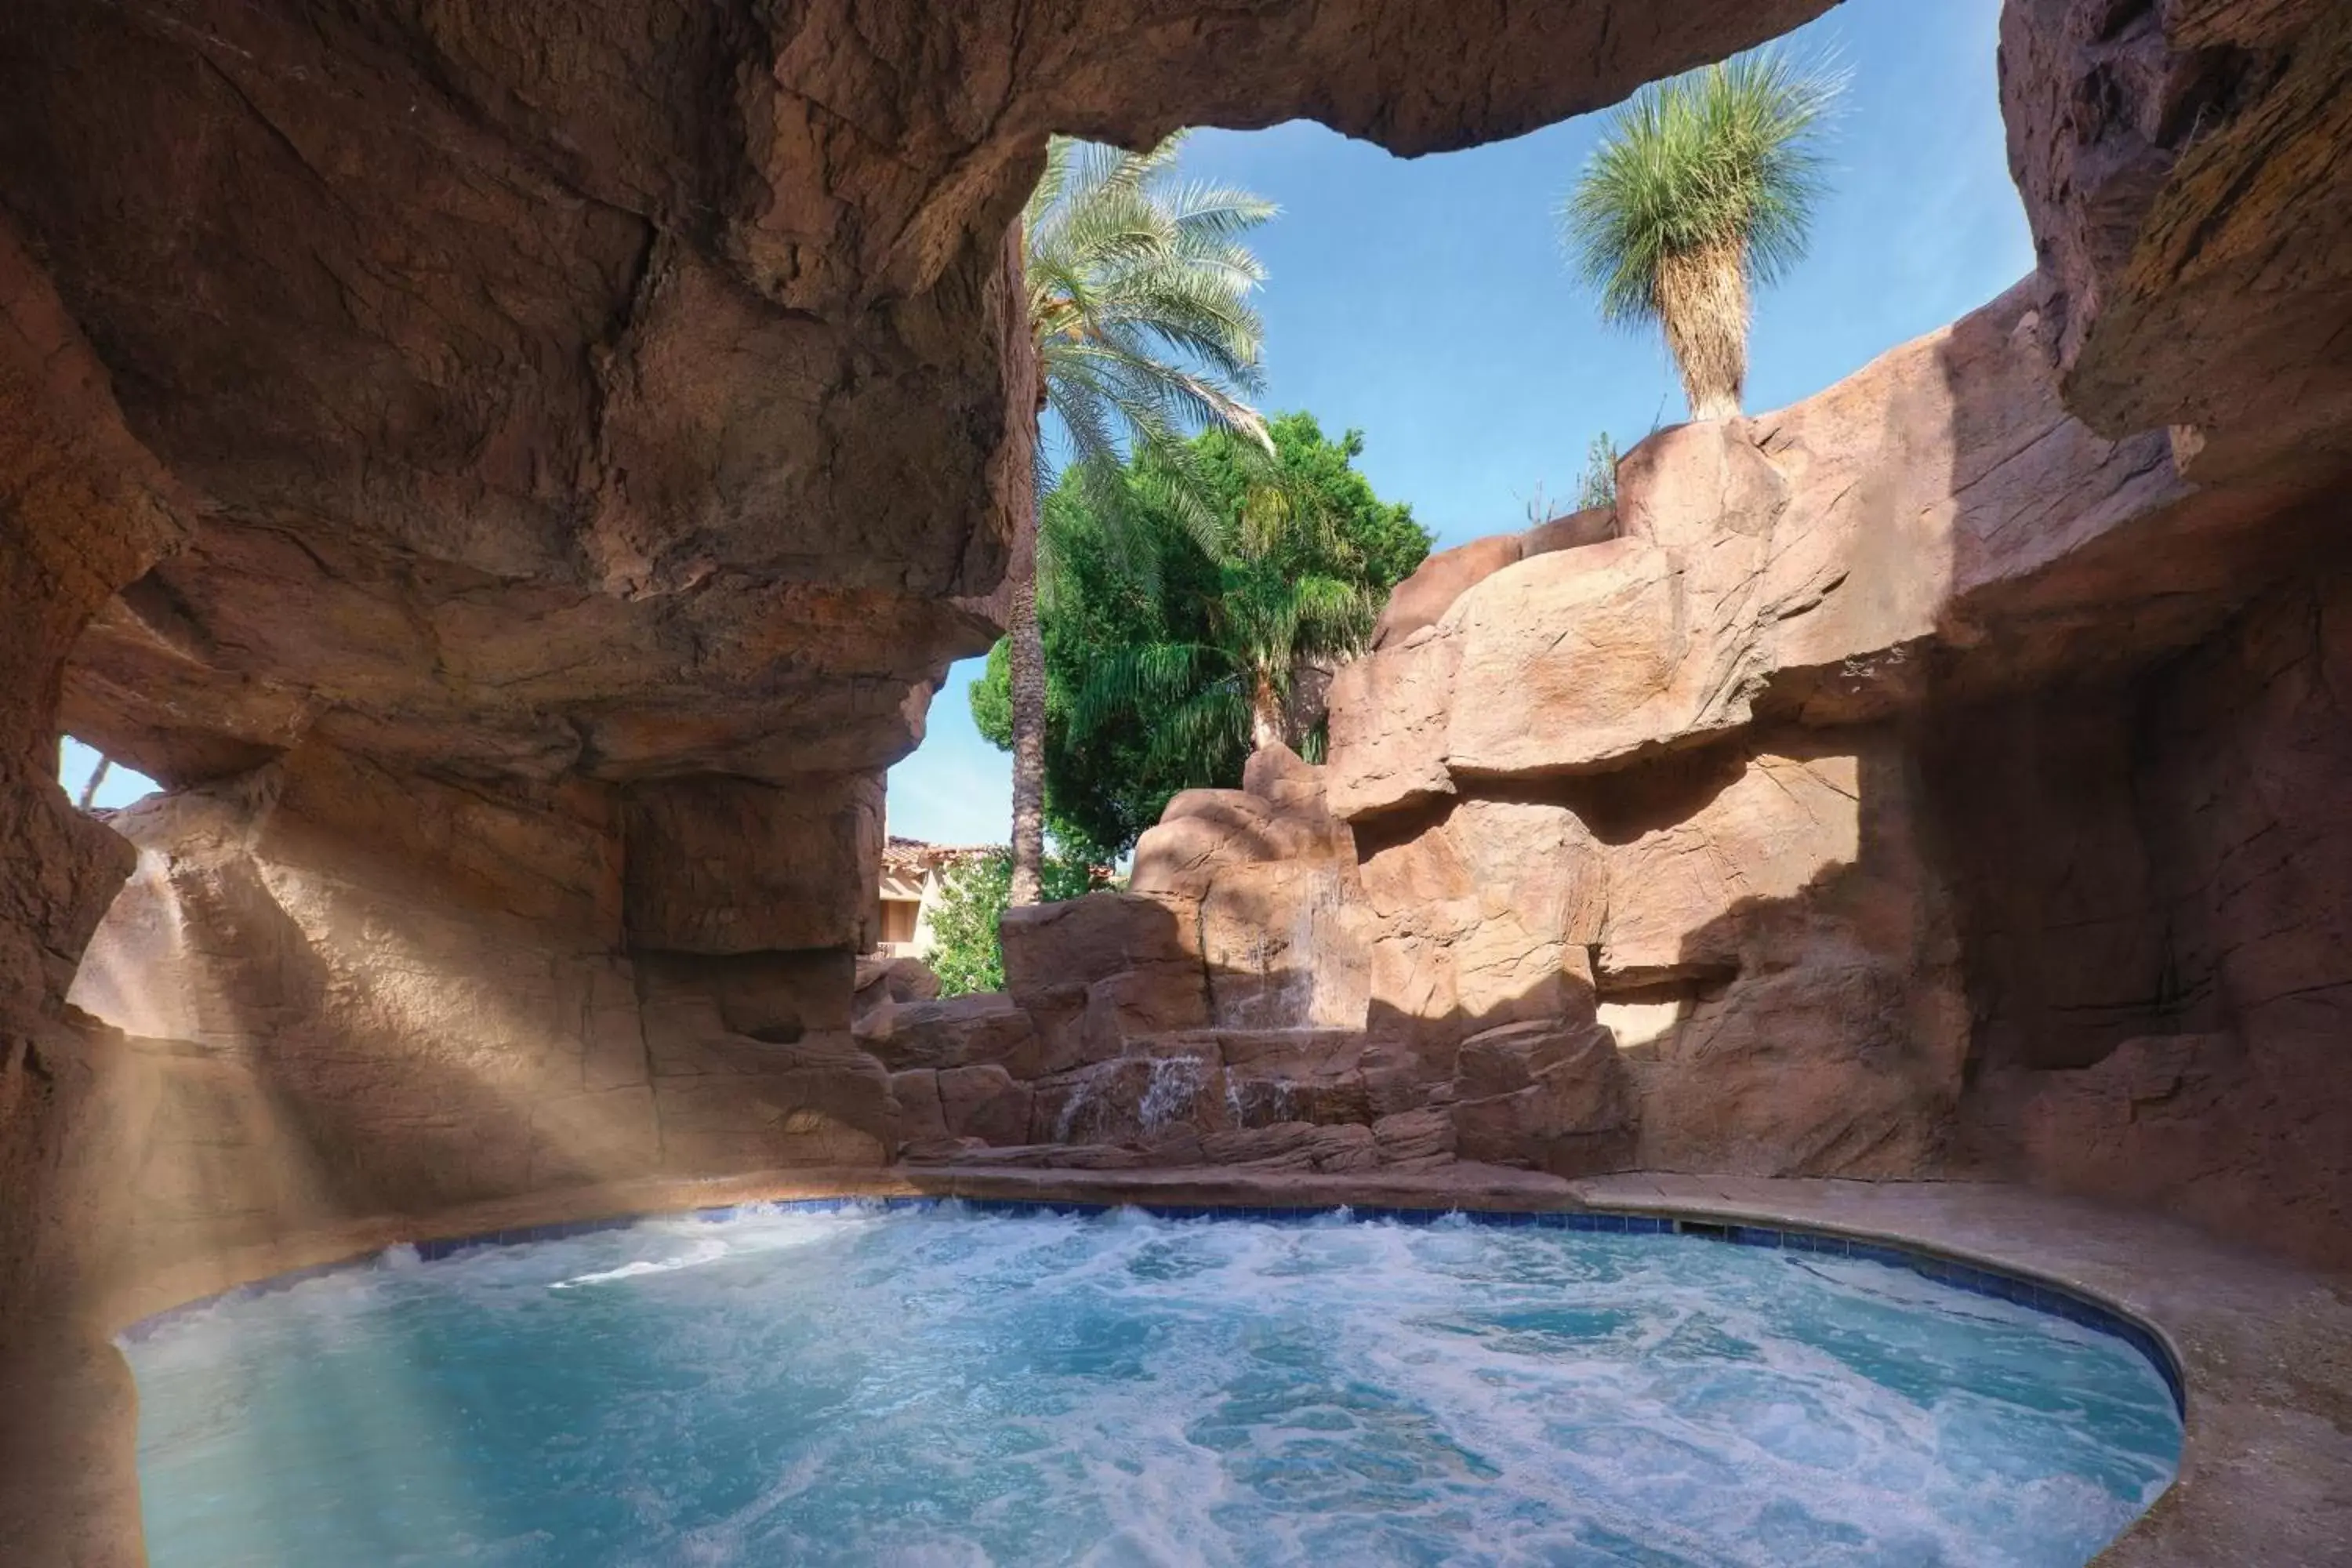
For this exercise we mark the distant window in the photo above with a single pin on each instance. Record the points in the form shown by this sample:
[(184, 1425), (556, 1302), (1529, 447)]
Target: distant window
[(899, 919)]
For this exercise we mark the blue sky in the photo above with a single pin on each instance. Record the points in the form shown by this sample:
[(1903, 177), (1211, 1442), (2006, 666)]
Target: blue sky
[(1425, 303)]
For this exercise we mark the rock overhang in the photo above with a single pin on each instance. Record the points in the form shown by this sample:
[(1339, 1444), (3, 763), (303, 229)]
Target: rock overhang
[(639, 396)]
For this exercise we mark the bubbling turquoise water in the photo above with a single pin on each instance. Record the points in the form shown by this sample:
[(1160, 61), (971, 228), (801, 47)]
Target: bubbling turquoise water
[(940, 1387)]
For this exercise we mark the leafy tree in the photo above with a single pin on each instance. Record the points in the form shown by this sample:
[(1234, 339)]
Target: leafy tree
[(967, 953), (1109, 773), (1598, 485), (1139, 303), (1702, 190), (1230, 691)]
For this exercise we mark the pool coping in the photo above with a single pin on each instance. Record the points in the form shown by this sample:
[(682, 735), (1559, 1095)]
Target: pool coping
[(2258, 1352)]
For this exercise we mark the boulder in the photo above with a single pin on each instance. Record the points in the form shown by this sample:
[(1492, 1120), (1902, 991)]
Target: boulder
[(1083, 941), (1422, 599), (1581, 660), (981, 1028), (878, 979), (1571, 530), (1483, 917), (1548, 1095), (1133, 1099), (1389, 711), (984, 1101), (1278, 815), (922, 1120), (1414, 1139)]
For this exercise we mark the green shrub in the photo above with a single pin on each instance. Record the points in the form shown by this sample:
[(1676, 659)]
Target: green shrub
[(967, 955)]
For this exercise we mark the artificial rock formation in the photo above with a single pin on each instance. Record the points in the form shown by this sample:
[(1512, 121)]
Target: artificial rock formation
[(1266, 992), (517, 477), (1911, 781), (589, 432), (631, 416), (2182, 166)]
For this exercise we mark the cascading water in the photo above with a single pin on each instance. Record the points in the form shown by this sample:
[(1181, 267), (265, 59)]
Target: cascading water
[(1175, 1084)]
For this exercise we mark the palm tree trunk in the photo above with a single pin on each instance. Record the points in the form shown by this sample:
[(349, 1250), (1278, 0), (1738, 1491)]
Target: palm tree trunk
[(97, 777), (1266, 715), (1028, 681), (1703, 303)]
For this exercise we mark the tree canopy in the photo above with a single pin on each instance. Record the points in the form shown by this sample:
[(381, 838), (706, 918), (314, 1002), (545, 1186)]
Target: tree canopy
[(1138, 299), (1107, 781)]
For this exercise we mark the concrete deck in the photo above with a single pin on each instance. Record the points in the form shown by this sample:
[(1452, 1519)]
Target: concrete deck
[(2264, 1348)]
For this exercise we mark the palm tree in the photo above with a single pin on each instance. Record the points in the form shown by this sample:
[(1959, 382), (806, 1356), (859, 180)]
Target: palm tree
[(1229, 695), (1701, 192), (1139, 303)]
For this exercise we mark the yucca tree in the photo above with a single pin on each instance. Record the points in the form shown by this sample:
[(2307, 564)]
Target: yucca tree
[(1701, 192), (1139, 303)]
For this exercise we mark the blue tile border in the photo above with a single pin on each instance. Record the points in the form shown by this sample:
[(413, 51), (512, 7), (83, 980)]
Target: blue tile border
[(2020, 1289)]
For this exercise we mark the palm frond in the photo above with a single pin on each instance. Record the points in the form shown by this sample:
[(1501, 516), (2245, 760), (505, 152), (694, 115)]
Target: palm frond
[(1200, 735), (1134, 680), (1139, 296)]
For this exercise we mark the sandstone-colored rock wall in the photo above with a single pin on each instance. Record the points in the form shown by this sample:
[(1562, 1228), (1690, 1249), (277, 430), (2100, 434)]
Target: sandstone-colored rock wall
[(83, 509), (2161, 930), (2182, 166), (540, 470), (552, 406), (1929, 762), (346, 993)]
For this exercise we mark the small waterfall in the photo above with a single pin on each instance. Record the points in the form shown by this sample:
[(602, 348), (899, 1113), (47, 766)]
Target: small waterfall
[(1068, 1121), (1258, 1102), (1175, 1083)]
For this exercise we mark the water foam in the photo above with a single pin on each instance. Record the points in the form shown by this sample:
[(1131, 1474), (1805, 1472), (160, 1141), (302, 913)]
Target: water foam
[(958, 1389)]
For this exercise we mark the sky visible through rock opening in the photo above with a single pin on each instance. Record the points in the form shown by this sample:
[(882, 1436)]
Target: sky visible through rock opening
[(1426, 302)]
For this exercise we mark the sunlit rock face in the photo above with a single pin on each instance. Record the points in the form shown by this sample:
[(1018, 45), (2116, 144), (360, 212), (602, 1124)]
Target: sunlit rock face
[(615, 421), (1940, 756), (1910, 782), (353, 993)]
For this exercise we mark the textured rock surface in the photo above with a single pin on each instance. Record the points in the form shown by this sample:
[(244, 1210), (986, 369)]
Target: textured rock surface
[(1930, 805), (1388, 714), (722, 864), (83, 508), (550, 418), (354, 992), (1936, 520), (590, 443), (1270, 995), (1539, 1095), (2182, 165), (2165, 961)]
